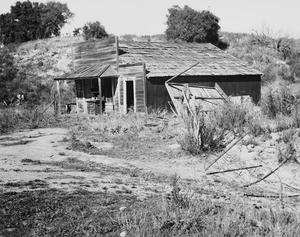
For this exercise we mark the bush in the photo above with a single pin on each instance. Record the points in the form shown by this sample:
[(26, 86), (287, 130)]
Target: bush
[(24, 117), (276, 99), (206, 132)]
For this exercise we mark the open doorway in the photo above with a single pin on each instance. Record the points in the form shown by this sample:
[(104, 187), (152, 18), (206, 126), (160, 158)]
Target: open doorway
[(129, 96)]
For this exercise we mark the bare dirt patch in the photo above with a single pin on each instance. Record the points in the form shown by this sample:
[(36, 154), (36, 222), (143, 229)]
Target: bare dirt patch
[(134, 166)]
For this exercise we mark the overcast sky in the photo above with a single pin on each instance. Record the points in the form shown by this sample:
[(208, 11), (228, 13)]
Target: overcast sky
[(148, 17)]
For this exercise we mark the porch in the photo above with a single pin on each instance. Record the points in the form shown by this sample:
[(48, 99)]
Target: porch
[(95, 89)]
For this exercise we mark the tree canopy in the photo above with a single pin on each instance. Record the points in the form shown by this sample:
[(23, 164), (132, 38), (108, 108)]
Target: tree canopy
[(189, 25), (32, 20), (94, 30)]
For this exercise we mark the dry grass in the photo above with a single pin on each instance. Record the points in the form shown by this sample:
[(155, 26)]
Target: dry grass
[(128, 133), (184, 215), (57, 213), (82, 213)]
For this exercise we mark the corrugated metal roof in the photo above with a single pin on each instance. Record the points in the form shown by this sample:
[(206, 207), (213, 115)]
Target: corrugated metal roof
[(110, 72), (89, 72), (167, 59)]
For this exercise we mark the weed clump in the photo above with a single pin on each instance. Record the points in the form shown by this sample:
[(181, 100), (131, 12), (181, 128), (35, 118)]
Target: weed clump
[(201, 134), (208, 131), (85, 147)]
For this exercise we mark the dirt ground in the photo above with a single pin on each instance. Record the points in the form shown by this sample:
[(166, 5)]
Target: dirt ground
[(41, 159)]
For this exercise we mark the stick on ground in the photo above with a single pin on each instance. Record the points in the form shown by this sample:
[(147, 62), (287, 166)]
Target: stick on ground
[(268, 174), (231, 170), (224, 152)]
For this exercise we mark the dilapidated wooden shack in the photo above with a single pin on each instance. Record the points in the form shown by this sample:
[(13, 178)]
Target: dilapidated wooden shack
[(123, 76)]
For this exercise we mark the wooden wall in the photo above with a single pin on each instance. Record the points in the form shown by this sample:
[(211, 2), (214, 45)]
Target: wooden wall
[(135, 73), (157, 95), (102, 51)]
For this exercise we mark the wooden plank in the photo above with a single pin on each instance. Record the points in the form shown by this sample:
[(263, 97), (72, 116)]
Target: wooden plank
[(124, 97), (221, 92), (130, 65), (102, 51), (117, 50), (100, 96), (96, 50), (145, 89), (134, 96), (58, 98), (96, 55), (199, 98), (90, 61), (120, 85)]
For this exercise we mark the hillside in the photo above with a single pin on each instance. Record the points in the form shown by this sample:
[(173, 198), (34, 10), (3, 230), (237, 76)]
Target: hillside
[(298, 44), (38, 62), (42, 60)]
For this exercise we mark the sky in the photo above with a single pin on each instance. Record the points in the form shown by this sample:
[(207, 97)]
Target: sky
[(148, 17)]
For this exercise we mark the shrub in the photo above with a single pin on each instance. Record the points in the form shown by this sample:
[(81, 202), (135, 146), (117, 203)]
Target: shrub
[(24, 117), (276, 99), (206, 132), (8, 120), (202, 133), (233, 117)]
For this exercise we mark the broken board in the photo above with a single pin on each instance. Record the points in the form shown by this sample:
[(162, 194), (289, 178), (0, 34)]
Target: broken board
[(189, 97)]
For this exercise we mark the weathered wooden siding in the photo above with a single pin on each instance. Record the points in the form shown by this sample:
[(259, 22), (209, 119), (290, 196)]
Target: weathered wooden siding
[(157, 95), (135, 73), (121, 91), (102, 51)]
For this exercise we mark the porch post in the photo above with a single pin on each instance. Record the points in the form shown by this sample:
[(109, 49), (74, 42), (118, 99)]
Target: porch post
[(58, 98), (100, 95)]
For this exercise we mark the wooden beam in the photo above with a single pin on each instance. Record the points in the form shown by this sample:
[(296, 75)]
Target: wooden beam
[(221, 92), (117, 51), (182, 72), (200, 98), (124, 97), (236, 169), (134, 96), (100, 95), (224, 152), (145, 87), (58, 98)]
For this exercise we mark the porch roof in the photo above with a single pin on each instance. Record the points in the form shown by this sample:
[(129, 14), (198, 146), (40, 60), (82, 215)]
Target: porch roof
[(90, 72)]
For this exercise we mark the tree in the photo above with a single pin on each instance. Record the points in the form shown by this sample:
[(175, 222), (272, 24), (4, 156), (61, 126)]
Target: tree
[(94, 30), (189, 25), (54, 15), (281, 43), (30, 21)]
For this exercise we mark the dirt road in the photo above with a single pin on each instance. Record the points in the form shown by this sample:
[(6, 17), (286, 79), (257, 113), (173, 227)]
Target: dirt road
[(42, 159)]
